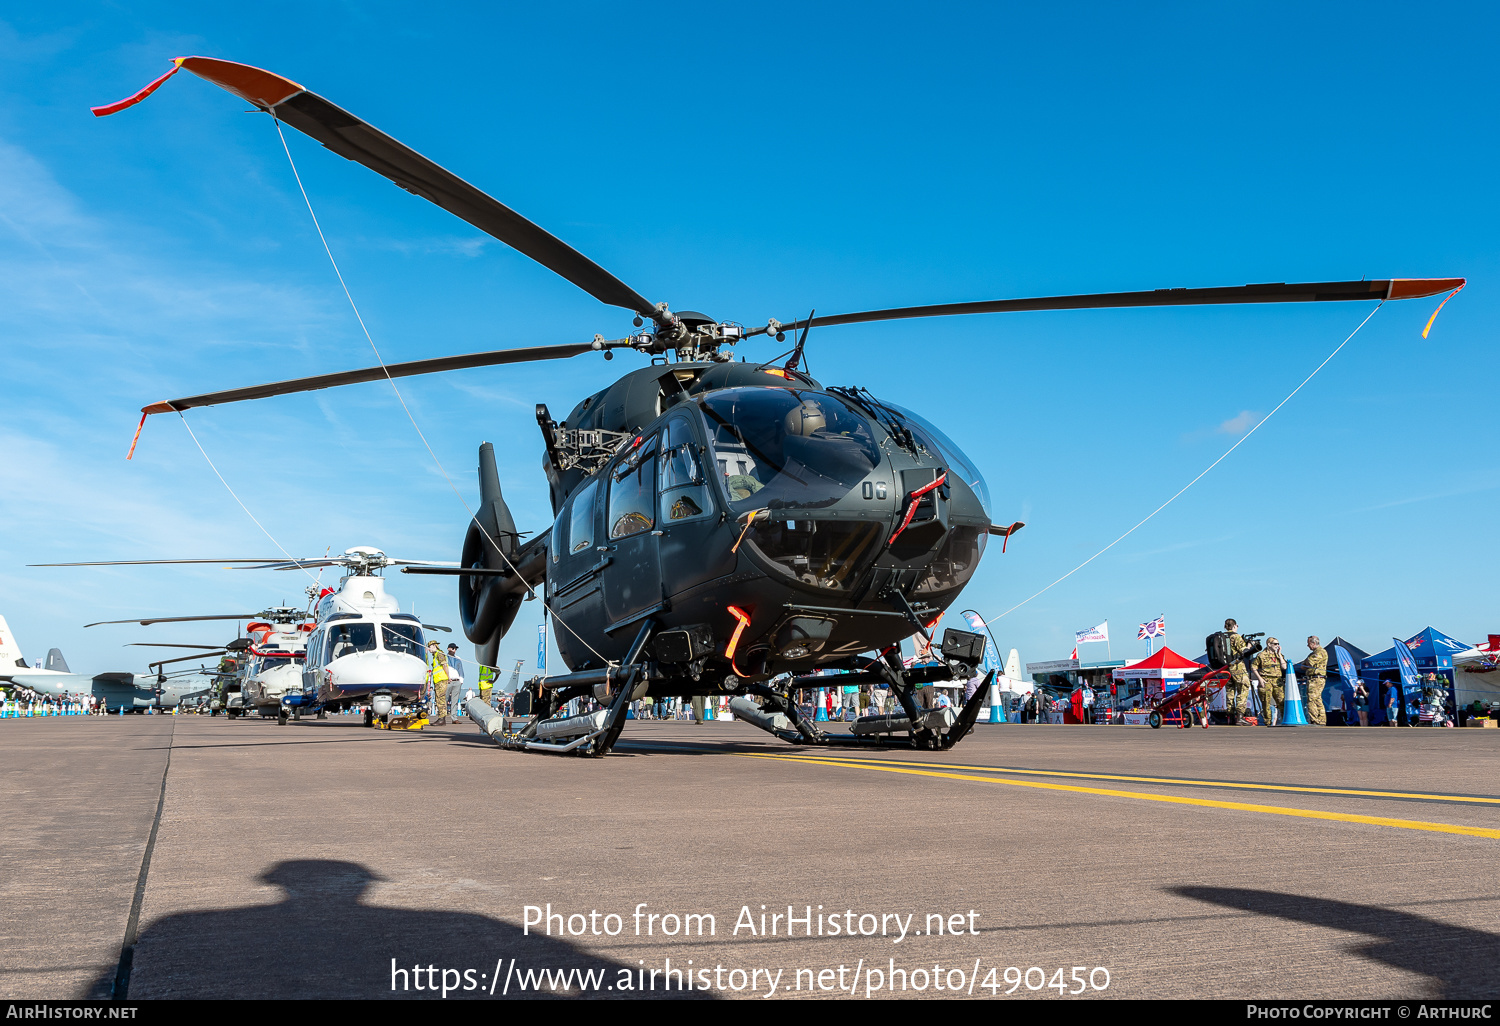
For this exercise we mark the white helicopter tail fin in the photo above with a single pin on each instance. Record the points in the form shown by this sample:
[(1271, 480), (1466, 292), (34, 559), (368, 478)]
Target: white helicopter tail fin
[(10, 651), (1013, 665), (55, 661)]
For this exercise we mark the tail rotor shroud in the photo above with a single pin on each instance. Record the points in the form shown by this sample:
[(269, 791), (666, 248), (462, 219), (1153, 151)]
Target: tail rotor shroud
[(489, 601)]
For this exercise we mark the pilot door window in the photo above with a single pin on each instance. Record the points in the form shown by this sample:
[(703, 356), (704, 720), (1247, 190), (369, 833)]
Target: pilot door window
[(348, 639), (632, 493), (684, 489), (581, 520)]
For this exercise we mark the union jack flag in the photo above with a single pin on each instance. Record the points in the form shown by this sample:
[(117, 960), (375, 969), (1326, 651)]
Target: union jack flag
[(1153, 628)]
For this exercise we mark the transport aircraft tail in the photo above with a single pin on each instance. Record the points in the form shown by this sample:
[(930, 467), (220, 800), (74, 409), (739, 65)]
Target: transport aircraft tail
[(55, 661), (10, 652)]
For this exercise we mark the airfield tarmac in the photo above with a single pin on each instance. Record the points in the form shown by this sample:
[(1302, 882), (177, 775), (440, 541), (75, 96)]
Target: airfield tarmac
[(298, 861)]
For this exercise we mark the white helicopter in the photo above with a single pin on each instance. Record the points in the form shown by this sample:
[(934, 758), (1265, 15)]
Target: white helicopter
[(358, 648), (264, 663)]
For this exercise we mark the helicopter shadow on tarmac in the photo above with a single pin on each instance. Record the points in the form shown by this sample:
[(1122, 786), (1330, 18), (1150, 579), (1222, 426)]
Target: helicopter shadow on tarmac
[(325, 940), (1462, 961)]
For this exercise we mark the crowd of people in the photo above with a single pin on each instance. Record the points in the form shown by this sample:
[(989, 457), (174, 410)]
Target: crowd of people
[(1255, 691), (21, 701)]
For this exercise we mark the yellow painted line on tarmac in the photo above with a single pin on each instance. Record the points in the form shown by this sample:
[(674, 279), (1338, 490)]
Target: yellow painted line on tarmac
[(1293, 788), (1209, 803)]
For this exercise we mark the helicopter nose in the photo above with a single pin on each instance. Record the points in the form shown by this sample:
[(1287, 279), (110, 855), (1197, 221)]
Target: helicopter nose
[(922, 516)]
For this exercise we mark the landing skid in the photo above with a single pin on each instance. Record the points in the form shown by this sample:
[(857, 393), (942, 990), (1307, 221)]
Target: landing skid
[(935, 729), (595, 733)]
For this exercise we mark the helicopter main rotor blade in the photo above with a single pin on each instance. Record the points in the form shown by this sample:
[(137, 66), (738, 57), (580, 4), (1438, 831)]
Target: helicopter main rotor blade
[(353, 139), (1276, 292), (153, 562), (168, 644), (492, 358), (176, 619), (184, 659)]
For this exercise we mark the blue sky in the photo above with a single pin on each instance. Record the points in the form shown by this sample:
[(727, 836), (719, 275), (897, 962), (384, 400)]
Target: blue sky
[(754, 163)]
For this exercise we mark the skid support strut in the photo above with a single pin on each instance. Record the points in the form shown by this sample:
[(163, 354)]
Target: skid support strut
[(632, 668), (920, 723), (590, 733), (776, 702), (888, 665)]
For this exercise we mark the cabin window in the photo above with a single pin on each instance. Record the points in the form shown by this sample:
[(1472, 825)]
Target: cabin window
[(632, 492), (349, 639)]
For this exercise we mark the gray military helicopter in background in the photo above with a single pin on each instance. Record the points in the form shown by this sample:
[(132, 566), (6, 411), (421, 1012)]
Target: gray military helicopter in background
[(720, 527), (266, 659)]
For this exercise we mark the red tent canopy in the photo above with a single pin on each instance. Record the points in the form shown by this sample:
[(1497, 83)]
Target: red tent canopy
[(1165, 659), (1161, 664)]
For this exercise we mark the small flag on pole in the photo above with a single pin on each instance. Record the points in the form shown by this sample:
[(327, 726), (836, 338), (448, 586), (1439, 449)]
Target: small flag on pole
[(1153, 628), (1099, 633)]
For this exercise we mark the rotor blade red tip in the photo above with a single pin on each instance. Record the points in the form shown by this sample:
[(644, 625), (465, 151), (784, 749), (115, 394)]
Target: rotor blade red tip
[(262, 88), (161, 407), (1416, 288), (142, 424), (131, 101)]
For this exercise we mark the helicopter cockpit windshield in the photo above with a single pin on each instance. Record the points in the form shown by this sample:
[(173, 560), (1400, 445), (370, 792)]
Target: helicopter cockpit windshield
[(405, 638), (787, 448), (349, 639), (950, 453)]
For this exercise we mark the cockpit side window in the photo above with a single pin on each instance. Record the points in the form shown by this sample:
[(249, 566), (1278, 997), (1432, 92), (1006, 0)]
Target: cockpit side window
[(581, 520), (632, 492), (683, 485)]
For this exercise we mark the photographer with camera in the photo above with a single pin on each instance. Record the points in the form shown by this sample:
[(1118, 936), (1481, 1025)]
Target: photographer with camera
[(1239, 674)]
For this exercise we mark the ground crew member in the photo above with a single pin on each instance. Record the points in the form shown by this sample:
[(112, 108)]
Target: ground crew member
[(1269, 667), (1239, 674), (437, 683), (486, 683), (455, 682), (1316, 668)]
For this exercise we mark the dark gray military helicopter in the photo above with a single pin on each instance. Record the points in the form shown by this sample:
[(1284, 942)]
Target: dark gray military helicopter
[(721, 527)]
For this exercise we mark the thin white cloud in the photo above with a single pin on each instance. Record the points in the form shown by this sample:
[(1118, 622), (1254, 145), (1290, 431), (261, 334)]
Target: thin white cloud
[(1240, 423)]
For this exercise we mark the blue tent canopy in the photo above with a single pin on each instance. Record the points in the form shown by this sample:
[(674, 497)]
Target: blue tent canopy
[(1431, 649)]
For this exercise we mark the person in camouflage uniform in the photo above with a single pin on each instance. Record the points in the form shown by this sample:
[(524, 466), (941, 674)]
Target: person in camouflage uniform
[(1269, 667), (1316, 676), (1239, 674)]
